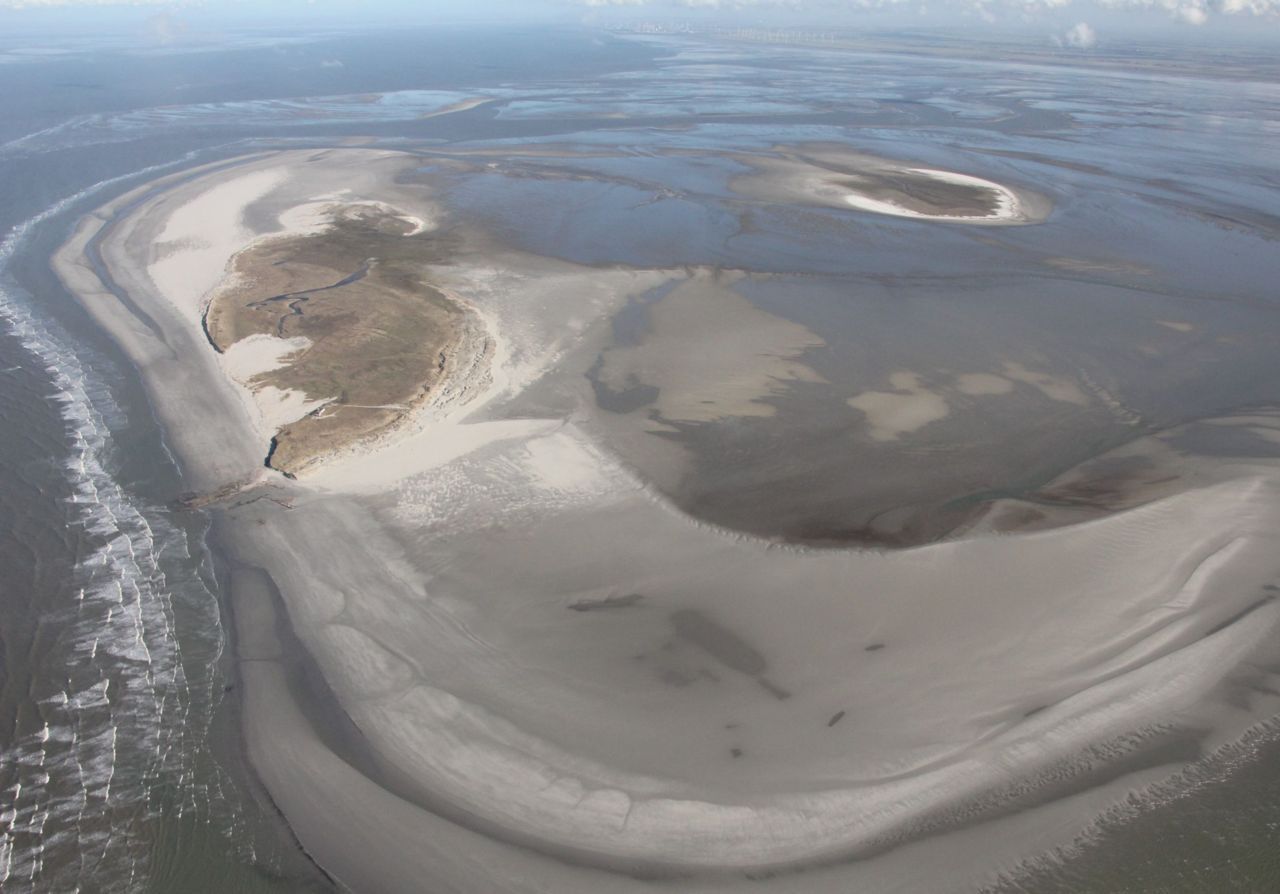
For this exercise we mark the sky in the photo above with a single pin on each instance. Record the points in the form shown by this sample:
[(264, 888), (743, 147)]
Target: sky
[(1080, 24)]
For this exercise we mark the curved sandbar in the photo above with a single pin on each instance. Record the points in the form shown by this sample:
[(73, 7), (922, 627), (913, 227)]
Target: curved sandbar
[(738, 706), (839, 178)]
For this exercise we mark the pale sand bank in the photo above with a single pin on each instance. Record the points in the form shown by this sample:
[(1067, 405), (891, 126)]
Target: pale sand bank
[(836, 177), (909, 404), (1001, 661), (200, 234), (908, 407), (712, 355), (1007, 206), (465, 105), (257, 354), (323, 212)]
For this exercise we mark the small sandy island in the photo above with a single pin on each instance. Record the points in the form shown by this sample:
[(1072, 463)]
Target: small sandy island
[(338, 323), (537, 673), (837, 177), (319, 311)]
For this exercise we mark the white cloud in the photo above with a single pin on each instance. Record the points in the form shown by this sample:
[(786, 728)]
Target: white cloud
[(1081, 36), (44, 4), (1194, 12)]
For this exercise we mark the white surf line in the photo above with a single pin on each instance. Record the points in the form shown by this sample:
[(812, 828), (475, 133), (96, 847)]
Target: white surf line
[(123, 634)]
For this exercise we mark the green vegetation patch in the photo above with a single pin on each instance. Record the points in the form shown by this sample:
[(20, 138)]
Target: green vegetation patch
[(379, 333)]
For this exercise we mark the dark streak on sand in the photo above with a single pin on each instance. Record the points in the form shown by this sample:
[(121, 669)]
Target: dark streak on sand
[(724, 646), (835, 718), (773, 689), (720, 643), (615, 601), (295, 300), (1243, 613)]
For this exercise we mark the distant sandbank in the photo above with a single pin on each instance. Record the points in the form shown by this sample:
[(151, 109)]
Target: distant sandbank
[(837, 177)]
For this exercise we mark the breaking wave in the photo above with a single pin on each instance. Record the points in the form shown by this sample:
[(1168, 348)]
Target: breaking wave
[(128, 680)]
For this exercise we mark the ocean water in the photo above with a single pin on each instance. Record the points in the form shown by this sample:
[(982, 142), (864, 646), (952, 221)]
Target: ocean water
[(119, 761), (115, 673)]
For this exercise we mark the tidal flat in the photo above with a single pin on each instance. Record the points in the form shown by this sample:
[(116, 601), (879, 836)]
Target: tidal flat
[(707, 533)]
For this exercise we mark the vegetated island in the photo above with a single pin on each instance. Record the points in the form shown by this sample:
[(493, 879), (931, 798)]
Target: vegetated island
[(835, 176), (367, 338)]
